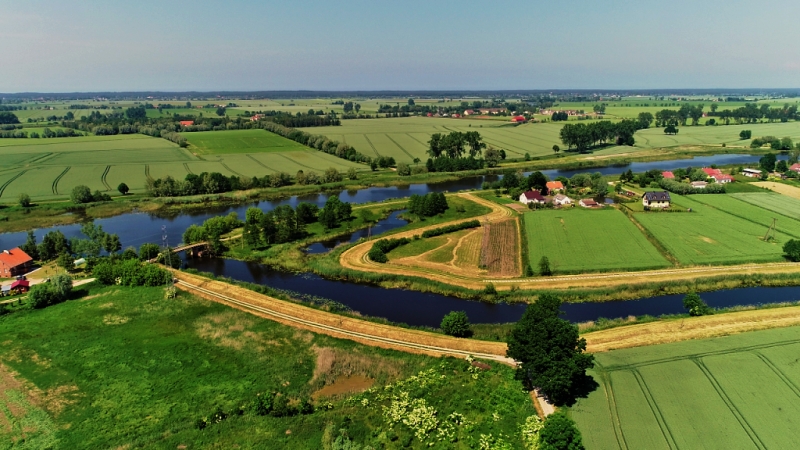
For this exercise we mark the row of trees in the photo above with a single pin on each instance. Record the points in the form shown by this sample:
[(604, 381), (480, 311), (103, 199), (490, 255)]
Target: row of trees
[(428, 205), (82, 194), (319, 142), (55, 245), (456, 144), (582, 137)]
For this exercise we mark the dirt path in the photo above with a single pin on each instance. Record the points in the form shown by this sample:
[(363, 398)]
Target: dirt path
[(368, 333)]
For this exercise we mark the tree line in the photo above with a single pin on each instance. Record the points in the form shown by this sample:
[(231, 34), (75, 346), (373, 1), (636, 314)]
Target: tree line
[(581, 137)]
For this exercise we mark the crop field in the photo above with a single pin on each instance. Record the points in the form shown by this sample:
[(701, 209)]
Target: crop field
[(703, 135), (711, 236), (500, 252), (579, 240), (49, 168), (239, 141), (406, 138), (755, 209), (781, 188), (781, 204), (731, 392)]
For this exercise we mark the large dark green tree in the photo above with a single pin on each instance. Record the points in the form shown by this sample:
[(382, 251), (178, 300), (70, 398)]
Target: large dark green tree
[(551, 353), (792, 250)]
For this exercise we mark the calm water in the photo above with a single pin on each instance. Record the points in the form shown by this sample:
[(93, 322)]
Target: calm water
[(423, 309), (387, 224)]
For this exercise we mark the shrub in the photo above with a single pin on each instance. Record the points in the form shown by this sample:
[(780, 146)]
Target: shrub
[(451, 228), (380, 248), (792, 250), (456, 323), (123, 188), (24, 200), (544, 267), (81, 194), (55, 291), (130, 272), (560, 433), (695, 305)]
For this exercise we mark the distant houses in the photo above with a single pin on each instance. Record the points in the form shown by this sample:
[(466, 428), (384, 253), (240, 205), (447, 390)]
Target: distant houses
[(187, 123), (554, 186), (588, 203), (722, 178), (668, 175), (795, 167), (656, 199), (699, 184), (561, 200), (518, 119)]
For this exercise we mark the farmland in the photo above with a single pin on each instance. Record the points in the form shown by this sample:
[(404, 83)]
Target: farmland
[(756, 207), (781, 204), (730, 392), (702, 135), (578, 240), (500, 252), (49, 168), (175, 362), (709, 235)]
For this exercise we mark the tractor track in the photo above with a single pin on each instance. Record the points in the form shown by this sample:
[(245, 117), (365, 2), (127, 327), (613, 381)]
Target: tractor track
[(54, 187), (5, 185), (103, 178)]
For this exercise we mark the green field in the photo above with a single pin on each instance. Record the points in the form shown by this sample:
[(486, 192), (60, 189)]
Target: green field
[(406, 138), (711, 236), (778, 203), (240, 141), (732, 392), (125, 368), (49, 168), (755, 209), (703, 135), (579, 240)]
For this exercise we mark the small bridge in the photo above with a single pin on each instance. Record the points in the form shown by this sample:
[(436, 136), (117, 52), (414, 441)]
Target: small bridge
[(183, 248)]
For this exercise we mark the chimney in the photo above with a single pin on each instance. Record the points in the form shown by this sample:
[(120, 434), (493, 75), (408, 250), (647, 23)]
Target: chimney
[(6, 252)]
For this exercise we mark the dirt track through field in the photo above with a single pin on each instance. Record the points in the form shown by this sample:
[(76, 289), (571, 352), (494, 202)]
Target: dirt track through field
[(368, 333)]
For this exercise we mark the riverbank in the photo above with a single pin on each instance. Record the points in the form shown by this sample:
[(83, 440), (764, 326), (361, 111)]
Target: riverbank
[(15, 218)]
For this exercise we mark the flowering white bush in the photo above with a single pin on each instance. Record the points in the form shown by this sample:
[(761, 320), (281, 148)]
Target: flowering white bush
[(489, 442), (530, 432)]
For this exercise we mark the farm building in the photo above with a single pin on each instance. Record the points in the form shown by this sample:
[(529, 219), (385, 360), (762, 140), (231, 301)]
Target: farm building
[(554, 186), (752, 173), (187, 123), (656, 199), (722, 178), (518, 119), (531, 197), (492, 110), (588, 203), (14, 262), (469, 112), (795, 167), (21, 286), (561, 200), (699, 184), (711, 172), (668, 175), (5, 290)]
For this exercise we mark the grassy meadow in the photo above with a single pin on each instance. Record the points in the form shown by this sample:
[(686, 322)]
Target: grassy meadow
[(731, 392), (580, 240), (125, 368), (240, 141)]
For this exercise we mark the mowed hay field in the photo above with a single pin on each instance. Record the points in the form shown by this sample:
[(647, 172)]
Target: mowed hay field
[(579, 240), (711, 135), (709, 235), (500, 251), (50, 168), (731, 392), (407, 138)]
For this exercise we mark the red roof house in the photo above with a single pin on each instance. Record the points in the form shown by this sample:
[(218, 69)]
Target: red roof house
[(554, 186), (795, 167), (518, 119), (668, 175), (14, 262), (711, 172), (531, 197), (722, 178), (20, 286), (187, 123), (468, 112)]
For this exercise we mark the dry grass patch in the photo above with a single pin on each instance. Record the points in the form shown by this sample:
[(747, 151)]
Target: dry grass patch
[(468, 251), (334, 365), (230, 330), (785, 189), (113, 319), (500, 249)]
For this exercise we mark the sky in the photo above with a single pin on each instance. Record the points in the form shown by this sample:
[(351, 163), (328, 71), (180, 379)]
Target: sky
[(156, 45)]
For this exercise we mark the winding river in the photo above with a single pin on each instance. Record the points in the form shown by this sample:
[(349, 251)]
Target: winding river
[(411, 307)]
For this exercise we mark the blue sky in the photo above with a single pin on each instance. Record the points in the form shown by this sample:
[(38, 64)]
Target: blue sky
[(61, 46)]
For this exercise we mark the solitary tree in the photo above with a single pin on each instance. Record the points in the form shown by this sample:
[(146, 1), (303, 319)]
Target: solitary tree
[(550, 352), (81, 194), (556, 149), (695, 305), (792, 250), (24, 200), (123, 188), (544, 267), (456, 323), (671, 129), (560, 433), (221, 111)]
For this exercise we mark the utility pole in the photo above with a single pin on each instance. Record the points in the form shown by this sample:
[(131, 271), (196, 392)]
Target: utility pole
[(770, 229)]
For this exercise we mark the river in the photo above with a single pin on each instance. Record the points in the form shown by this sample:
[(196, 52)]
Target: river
[(413, 308)]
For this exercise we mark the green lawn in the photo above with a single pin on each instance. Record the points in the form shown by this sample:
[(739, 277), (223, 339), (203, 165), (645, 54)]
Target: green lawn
[(580, 240), (240, 141), (731, 392), (125, 368), (711, 236)]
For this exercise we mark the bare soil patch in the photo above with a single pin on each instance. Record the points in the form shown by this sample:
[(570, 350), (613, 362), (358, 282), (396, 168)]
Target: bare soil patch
[(348, 385)]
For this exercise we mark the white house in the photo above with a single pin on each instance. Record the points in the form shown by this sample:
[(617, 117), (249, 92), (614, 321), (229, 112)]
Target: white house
[(656, 199), (752, 173), (699, 184), (561, 199), (588, 203), (531, 197)]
